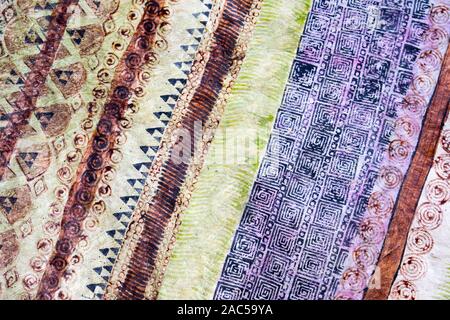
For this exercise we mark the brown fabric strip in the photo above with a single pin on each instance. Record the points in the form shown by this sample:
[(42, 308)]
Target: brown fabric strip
[(155, 221), (101, 147), (397, 235), (35, 81)]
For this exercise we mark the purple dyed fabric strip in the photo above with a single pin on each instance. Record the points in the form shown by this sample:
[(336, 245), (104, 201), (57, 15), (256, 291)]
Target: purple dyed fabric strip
[(353, 69)]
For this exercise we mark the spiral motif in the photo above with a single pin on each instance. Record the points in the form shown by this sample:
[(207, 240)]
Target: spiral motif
[(64, 246), (390, 177), (76, 259), (108, 174), (89, 177), (429, 216), (62, 295), (95, 161), (127, 76), (45, 246), (104, 75), (125, 123), (64, 174), (161, 45), (380, 204), (165, 12), (87, 124), (116, 156), (406, 127), (152, 8), (99, 207), (61, 192), (84, 196), (423, 85), (72, 228), (51, 228), (436, 36), (90, 224), (142, 43), (38, 264), (58, 263), (413, 268), (404, 290), (438, 191), (414, 104), (111, 60), (100, 92), (445, 140), (80, 140), (429, 60), (100, 144), (133, 60), (112, 109), (354, 280), (440, 14), (30, 282), (345, 295), (104, 127), (149, 26), (372, 230), (139, 91), (121, 138), (78, 212), (151, 58), (144, 76), (364, 255), (104, 190), (56, 210), (420, 241), (164, 29), (122, 93), (51, 282), (399, 150), (442, 166)]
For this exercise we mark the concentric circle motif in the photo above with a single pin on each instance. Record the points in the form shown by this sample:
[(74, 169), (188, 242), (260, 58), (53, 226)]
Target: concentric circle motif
[(440, 14), (413, 268), (442, 166), (437, 191), (390, 177), (429, 216), (429, 60), (364, 255), (380, 204), (372, 230), (399, 150), (354, 279), (420, 241), (404, 290), (445, 140)]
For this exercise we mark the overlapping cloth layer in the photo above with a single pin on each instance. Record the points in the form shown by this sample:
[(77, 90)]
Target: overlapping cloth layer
[(342, 142)]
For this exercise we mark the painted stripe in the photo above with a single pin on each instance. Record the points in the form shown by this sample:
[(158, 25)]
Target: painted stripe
[(101, 147), (217, 65)]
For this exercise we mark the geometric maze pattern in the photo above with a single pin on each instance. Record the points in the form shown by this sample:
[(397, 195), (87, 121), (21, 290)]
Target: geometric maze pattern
[(353, 66)]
